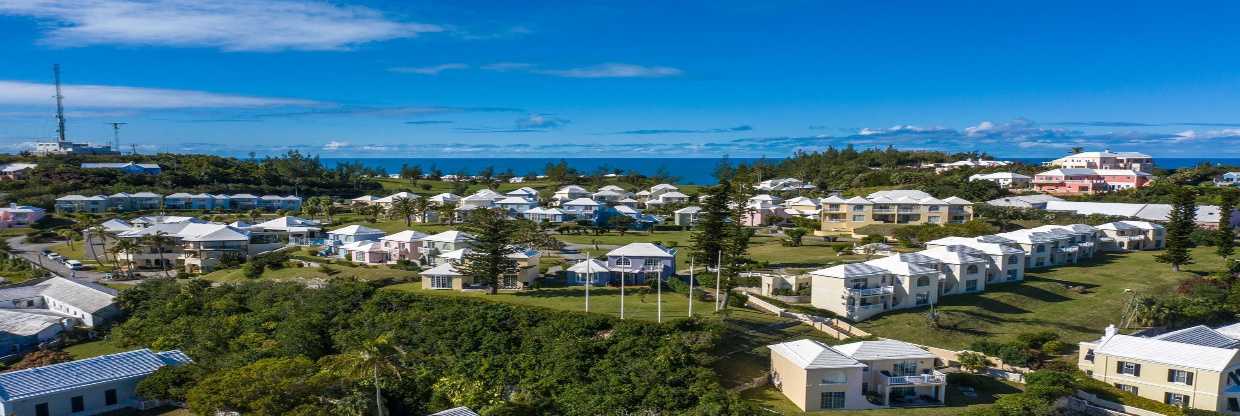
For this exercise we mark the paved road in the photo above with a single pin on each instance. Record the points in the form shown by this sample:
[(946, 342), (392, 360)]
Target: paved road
[(33, 252)]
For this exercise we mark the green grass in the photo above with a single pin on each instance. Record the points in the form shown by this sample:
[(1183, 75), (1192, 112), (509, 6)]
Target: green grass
[(612, 238), (307, 273), (77, 251), (94, 349), (813, 252), (602, 300), (14, 232), (988, 390), (1043, 301)]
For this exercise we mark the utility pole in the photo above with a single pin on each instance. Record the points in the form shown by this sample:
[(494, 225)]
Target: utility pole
[(659, 293), (60, 105), (718, 278), (116, 135), (588, 277), (690, 287), (622, 278)]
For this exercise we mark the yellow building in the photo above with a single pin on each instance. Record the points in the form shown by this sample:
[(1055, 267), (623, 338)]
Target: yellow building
[(892, 207), (1197, 367)]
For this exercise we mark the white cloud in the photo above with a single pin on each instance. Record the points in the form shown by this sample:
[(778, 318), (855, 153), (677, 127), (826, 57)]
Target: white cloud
[(105, 96), (508, 66), (1189, 135), (540, 121), (230, 25), (335, 145), (427, 70), (613, 70)]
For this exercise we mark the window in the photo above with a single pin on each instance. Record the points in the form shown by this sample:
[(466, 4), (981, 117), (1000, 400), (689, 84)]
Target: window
[(923, 298), (933, 208), (857, 283), (858, 207), (109, 397), (441, 282), (1126, 388), (832, 400), (1041, 248), (1089, 355), (1011, 273), (835, 377), (1233, 404), (623, 261), (1014, 260), (41, 410), (970, 286), (1124, 367), (923, 281), (651, 262), (933, 220), (1175, 399), (76, 404), (904, 368), (971, 269), (1180, 377), (858, 218)]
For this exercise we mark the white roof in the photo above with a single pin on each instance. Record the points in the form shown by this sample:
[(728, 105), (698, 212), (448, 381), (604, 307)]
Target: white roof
[(639, 250), (212, 232), (87, 297), (116, 225), (514, 200), (672, 194), (612, 188), (689, 210), (572, 189), (1200, 335), (582, 202), (485, 195), (365, 198), (849, 270), (180, 195), (393, 197), (1092, 172), (998, 175), (589, 266), (887, 349), (953, 255), (1167, 352), (355, 230), (407, 236), (663, 186), (523, 191), (625, 209), (82, 198), (955, 200), (450, 236), (443, 269), (895, 265), (810, 354), (27, 322), (1106, 153), (898, 193), (288, 223)]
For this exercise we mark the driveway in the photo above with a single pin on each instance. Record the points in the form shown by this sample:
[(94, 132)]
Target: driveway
[(33, 253)]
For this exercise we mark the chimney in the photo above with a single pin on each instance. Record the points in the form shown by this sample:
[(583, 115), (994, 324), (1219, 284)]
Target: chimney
[(1110, 331)]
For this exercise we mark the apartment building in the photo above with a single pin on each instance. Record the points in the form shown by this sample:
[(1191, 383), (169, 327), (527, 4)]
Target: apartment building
[(1132, 235), (783, 185), (177, 201), (1005, 263), (1078, 181), (195, 246), (79, 203), (15, 215), (1195, 367), (1053, 245), (856, 376), (1106, 159), (1005, 180), (892, 207)]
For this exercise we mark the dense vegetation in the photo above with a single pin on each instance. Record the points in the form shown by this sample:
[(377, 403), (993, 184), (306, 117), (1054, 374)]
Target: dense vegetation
[(292, 173), (276, 349)]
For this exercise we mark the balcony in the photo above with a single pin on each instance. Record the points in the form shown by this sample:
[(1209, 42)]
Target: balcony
[(929, 379), (876, 307), (874, 291)]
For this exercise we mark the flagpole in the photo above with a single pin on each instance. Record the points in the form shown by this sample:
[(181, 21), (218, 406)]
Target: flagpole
[(690, 287), (659, 293), (718, 278), (588, 260), (622, 277)]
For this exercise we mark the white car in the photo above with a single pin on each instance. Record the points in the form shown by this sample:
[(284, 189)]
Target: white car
[(74, 264)]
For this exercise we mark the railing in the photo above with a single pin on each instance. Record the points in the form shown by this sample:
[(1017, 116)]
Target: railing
[(875, 291), (934, 377), (865, 308)]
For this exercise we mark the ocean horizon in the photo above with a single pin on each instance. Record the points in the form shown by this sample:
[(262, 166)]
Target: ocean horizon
[(694, 171)]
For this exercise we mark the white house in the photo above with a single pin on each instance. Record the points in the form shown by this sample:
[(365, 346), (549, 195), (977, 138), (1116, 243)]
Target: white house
[(815, 376), (569, 193), (539, 214), (687, 216), (485, 198), (353, 233), (404, 245), (516, 205), (582, 208), (92, 386), (639, 261), (1004, 179), (435, 245), (524, 192)]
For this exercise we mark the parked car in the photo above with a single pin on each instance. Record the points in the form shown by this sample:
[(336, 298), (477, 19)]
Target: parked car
[(56, 256), (74, 265), (107, 276)]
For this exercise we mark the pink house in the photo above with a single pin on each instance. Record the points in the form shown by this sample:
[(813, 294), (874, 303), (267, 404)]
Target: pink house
[(761, 217), (1089, 181), (20, 215), (405, 245), (365, 252)]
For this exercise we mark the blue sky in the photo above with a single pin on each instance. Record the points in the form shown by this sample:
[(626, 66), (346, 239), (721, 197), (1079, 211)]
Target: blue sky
[(628, 79)]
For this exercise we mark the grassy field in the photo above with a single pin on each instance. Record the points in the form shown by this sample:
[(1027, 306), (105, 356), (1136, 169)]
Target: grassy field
[(612, 238), (988, 390), (602, 300), (1044, 301), (308, 273), (94, 349), (813, 252)]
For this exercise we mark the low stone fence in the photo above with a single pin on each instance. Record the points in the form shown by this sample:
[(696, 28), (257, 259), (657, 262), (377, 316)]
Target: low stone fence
[(836, 328), (1093, 405)]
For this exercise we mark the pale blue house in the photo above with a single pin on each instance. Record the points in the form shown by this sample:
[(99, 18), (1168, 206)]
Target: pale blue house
[(84, 387)]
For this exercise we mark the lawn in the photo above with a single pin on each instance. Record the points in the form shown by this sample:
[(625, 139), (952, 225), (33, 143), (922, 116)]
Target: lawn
[(638, 304), (1044, 302), (308, 273), (745, 356), (586, 241), (94, 349), (987, 389), (814, 252)]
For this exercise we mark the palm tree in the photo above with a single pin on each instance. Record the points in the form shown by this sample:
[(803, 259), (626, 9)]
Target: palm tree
[(447, 210), (88, 238), (127, 246), (159, 240), (422, 207), (68, 235), (312, 209), (376, 359), (329, 208), (404, 207)]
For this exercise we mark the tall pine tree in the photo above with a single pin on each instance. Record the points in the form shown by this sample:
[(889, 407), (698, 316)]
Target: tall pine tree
[(1180, 224), (713, 223), (1225, 241), (487, 260)]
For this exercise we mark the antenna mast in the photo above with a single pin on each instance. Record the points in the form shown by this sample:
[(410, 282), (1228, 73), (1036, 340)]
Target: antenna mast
[(116, 134), (60, 105)]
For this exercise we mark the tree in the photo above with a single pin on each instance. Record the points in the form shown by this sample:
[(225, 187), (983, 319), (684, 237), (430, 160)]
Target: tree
[(374, 360), (795, 235), (1180, 225), (68, 235), (447, 210), (422, 206), (158, 240), (973, 362), (170, 382), (620, 223), (405, 208), (268, 387), (1226, 240), (488, 258), (126, 246), (1076, 149), (713, 223)]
